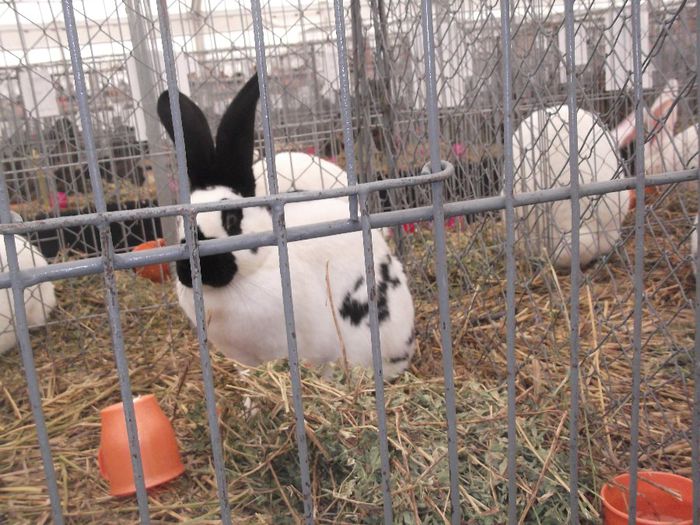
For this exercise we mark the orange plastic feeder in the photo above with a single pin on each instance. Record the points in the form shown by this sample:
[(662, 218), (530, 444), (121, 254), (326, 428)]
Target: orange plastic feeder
[(153, 272), (657, 503), (159, 451)]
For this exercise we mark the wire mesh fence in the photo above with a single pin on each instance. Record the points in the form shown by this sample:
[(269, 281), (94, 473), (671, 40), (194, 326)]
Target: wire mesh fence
[(531, 167)]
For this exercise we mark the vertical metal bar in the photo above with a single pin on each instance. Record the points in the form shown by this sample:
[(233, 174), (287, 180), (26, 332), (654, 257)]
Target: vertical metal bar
[(376, 356), (345, 109), (695, 445), (441, 257), (190, 226), (575, 261), (25, 348), (362, 101), (147, 80), (383, 65), (638, 260), (107, 258), (280, 230), (510, 256)]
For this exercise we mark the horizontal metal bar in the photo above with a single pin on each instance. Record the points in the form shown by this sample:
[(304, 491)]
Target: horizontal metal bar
[(185, 209), (126, 261), (469, 206)]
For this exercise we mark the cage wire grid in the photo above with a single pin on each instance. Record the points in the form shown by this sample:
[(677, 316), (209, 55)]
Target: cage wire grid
[(441, 86)]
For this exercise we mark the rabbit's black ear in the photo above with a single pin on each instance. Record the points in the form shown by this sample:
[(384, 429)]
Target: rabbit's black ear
[(199, 144), (235, 140)]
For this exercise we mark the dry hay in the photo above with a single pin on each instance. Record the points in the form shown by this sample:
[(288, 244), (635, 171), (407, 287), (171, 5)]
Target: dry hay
[(78, 378)]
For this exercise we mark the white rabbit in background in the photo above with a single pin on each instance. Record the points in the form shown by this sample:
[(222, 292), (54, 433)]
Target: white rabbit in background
[(242, 290), (683, 150), (663, 151), (298, 171), (541, 157), (666, 151), (39, 300), (541, 160)]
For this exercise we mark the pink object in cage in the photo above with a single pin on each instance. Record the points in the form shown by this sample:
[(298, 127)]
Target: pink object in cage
[(458, 149), (61, 200)]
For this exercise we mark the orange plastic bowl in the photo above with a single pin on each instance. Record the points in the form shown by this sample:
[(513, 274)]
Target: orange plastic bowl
[(153, 272), (160, 456), (654, 505)]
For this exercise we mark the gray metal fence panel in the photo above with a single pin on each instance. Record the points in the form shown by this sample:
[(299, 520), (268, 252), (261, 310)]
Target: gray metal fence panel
[(412, 93)]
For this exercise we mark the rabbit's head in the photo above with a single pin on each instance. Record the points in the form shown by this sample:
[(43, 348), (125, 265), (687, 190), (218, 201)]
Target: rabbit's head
[(221, 170), (659, 123)]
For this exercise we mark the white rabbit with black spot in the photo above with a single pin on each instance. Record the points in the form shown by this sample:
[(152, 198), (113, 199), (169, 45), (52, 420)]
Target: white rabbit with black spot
[(242, 290)]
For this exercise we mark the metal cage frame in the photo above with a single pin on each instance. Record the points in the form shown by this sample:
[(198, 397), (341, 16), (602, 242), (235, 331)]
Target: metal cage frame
[(359, 218)]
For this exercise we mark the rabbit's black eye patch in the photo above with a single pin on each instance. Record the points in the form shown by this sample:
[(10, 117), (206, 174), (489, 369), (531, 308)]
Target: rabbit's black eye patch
[(231, 221), (217, 270)]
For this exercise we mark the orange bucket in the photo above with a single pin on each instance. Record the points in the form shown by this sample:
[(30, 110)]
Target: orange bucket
[(153, 272), (160, 456), (655, 506)]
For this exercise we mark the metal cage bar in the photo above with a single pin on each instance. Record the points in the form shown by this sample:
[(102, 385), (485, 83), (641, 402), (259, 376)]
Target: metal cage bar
[(26, 352), (510, 257), (280, 232), (345, 105), (376, 358), (695, 437), (639, 292), (441, 257), (575, 261), (378, 220), (107, 248), (192, 247)]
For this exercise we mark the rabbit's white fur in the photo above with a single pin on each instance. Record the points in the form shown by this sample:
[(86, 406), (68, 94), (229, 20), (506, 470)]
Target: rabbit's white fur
[(246, 318), (39, 300), (299, 171), (541, 156)]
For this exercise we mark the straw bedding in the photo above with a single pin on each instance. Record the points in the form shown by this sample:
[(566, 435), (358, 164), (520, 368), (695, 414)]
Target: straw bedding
[(78, 378)]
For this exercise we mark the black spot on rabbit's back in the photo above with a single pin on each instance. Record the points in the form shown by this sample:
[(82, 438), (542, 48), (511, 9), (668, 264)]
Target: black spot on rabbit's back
[(385, 273), (218, 270), (360, 281), (397, 359), (355, 311)]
